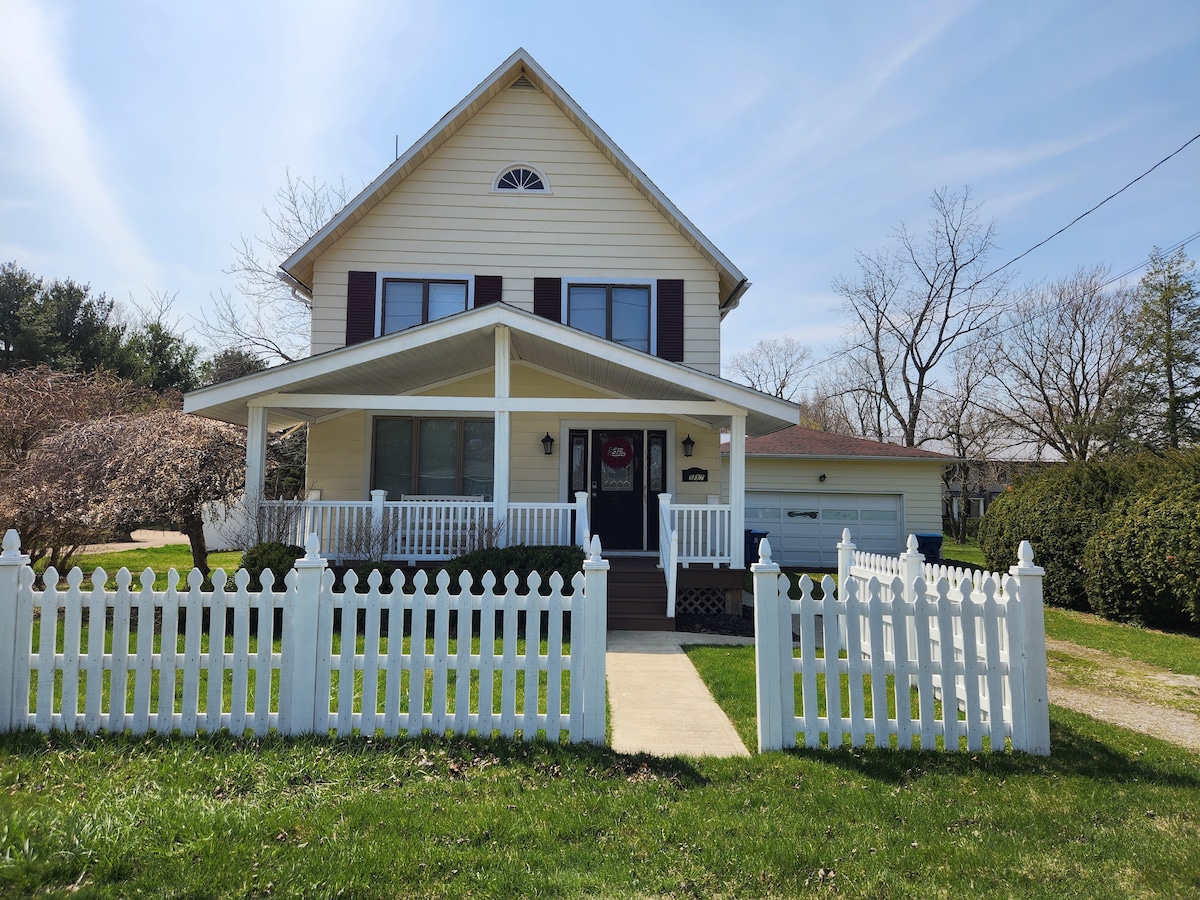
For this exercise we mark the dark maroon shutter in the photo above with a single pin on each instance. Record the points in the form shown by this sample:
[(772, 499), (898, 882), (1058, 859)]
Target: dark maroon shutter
[(547, 298), (360, 307), (670, 319), (488, 289)]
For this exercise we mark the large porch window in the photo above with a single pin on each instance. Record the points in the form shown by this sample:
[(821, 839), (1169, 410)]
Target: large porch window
[(439, 457)]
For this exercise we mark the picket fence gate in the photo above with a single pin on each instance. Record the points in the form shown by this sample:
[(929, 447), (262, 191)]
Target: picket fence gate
[(971, 644), (158, 671)]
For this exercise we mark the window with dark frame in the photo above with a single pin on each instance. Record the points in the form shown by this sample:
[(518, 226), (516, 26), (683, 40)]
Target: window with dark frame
[(435, 456), (616, 312), (414, 301)]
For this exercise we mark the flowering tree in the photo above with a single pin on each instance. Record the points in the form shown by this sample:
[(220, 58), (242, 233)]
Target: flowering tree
[(160, 466)]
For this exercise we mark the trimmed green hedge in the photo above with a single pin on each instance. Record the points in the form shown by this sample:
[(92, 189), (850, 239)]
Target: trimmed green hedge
[(520, 558), (1143, 562), (1057, 510), (273, 555)]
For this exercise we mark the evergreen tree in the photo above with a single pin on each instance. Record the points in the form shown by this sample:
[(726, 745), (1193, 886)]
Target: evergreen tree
[(1168, 333)]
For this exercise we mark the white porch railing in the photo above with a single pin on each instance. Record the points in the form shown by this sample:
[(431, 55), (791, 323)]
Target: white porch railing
[(704, 532), (420, 530)]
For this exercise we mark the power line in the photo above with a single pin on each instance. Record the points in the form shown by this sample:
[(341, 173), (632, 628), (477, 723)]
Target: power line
[(1082, 215)]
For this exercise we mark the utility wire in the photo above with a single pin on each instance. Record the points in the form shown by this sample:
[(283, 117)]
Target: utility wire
[(845, 351), (1191, 140)]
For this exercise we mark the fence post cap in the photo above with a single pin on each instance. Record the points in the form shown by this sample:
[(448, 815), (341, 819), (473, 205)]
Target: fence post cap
[(765, 563), (11, 553), (312, 554), (1025, 565), (593, 560), (847, 542)]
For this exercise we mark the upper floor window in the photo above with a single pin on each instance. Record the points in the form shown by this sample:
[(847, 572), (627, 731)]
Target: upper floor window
[(521, 177), (412, 301), (618, 312)]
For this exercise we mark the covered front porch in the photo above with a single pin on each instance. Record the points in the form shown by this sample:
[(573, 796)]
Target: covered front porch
[(497, 427)]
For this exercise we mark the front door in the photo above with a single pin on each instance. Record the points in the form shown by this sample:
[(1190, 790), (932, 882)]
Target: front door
[(618, 510)]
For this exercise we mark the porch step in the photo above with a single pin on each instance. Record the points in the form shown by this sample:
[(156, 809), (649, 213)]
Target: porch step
[(637, 595)]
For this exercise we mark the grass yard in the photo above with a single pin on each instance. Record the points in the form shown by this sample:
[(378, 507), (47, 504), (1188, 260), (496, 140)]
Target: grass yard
[(1110, 815), (160, 559)]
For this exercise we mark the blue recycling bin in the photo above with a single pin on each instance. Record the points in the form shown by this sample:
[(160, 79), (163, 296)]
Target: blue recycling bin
[(753, 538), (930, 546)]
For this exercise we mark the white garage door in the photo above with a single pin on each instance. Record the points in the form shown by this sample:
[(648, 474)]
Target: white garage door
[(804, 529)]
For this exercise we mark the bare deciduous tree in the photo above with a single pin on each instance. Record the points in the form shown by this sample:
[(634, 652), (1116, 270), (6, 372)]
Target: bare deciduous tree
[(1062, 374), (773, 365), (269, 318), (912, 306)]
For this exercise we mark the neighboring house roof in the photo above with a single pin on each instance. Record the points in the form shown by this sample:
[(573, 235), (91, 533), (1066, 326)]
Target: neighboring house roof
[(409, 361), (298, 268), (808, 443)]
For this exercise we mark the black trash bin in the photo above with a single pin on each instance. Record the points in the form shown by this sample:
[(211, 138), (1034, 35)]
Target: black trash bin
[(930, 546), (752, 541)]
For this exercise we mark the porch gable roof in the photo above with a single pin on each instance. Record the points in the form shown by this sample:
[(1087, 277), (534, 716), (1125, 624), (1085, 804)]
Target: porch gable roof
[(410, 361)]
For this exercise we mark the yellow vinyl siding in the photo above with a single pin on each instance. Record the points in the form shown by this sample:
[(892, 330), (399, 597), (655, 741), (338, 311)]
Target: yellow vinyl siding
[(445, 218), (337, 457)]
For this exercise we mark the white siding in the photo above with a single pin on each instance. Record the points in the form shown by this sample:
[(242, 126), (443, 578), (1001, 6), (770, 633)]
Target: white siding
[(594, 224)]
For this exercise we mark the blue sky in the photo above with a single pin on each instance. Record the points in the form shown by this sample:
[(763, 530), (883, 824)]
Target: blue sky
[(139, 139)]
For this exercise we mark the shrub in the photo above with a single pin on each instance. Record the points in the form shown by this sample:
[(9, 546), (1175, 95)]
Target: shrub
[(1057, 510), (1143, 563), (522, 559), (364, 570), (273, 555)]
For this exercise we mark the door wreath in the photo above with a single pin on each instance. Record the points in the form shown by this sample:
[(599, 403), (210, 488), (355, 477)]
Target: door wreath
[(617, 452)]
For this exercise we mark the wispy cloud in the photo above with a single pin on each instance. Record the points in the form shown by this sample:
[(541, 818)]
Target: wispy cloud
[(38, 94)]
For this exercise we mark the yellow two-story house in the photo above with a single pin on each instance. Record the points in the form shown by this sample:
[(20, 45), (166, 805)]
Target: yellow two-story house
[(515, 338)]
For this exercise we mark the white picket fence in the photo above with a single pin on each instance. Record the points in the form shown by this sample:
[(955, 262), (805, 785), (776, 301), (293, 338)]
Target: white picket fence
[(882, 627), (157, 669)]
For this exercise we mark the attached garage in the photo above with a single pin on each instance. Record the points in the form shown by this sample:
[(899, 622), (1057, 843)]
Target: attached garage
[(804, 487), (804, 528)]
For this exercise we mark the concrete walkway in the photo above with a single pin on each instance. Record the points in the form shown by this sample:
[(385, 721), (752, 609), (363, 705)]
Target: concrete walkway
[(659, 703)]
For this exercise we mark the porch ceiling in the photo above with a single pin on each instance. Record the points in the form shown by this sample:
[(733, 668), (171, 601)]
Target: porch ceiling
[(410, 362)]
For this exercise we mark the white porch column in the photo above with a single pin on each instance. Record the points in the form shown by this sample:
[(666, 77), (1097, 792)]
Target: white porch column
[(256, 455), (503, 440), (737, 489)]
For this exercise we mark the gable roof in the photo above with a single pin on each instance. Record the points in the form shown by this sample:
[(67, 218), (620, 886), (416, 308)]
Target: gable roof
[(416, 358), (297, 269), (808, 443)]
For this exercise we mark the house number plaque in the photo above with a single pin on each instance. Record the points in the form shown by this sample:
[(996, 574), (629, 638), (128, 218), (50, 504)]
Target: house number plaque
[(695, 474)]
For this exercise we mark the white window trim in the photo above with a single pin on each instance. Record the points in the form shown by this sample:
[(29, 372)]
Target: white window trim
[(564, 312), (546, 191), (381, 277)]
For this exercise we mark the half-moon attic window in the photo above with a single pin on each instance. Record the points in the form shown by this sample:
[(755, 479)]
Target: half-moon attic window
[(520, 178)]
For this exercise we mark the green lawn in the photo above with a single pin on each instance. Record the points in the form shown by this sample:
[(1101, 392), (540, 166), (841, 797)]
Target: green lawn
[(160, 559), (1110, 815), (1178, 653)]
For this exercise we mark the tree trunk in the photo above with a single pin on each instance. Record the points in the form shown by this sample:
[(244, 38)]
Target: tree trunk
[(193, 527)]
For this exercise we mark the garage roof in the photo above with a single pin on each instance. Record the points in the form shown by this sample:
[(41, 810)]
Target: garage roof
[(800, 442)]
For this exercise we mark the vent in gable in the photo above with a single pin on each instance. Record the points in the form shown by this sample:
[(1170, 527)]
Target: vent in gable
[(523, 84)]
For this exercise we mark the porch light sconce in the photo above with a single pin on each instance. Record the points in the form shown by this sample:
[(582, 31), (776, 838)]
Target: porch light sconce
[(822, 478), (548, 444), (688, 445)]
